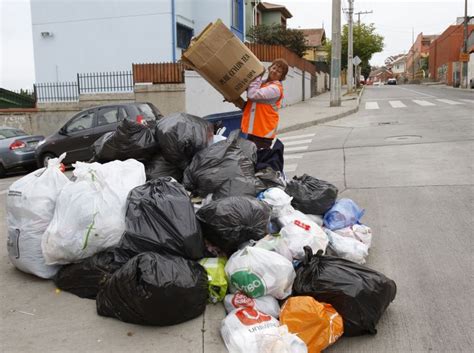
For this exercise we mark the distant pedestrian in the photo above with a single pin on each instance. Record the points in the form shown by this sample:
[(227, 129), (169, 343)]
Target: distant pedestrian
[(260, 116)]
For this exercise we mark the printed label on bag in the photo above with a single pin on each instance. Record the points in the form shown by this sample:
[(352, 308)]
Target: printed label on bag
[(302, 225), (13, 243), (250, 316), (14, 193), (241, 300), (249, 283)]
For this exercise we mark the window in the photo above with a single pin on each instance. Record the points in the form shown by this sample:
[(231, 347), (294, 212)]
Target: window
[(184, 35), (7, 133), (148, 112), (82, 122), (238, 18), (107, 116)]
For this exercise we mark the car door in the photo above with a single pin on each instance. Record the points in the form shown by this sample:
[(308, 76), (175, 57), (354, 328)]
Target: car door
[(79, 137)]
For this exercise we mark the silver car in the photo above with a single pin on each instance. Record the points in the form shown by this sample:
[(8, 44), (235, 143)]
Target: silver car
[(17, 150)]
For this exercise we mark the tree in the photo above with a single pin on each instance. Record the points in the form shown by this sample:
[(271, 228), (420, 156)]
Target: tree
[(366, 43), (276, 34)]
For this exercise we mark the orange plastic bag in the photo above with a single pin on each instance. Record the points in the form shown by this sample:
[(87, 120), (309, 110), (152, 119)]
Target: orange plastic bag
[(317, 324)]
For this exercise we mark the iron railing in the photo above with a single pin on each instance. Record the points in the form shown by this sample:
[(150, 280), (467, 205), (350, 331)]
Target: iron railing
[(105, 82), (56, 92)]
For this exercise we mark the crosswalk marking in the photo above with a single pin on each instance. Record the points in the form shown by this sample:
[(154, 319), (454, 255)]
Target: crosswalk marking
[(371, 105), (294, 137), (397, 104), (295, 149), (294, 156), (468, 100), (290, 167), (299, 142), (423, 103), (448, 101)]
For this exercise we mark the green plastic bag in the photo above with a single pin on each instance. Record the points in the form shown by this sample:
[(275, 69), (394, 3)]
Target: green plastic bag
[(216, 277)]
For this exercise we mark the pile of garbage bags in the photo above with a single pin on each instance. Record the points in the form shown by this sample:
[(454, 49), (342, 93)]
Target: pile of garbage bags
[(170, 218)]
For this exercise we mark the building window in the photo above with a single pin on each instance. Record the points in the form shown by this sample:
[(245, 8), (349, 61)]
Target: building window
[(184, 35), (238, 18)]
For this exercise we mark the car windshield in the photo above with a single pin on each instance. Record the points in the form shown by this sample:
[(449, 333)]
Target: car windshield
[(7, 133), (148, 112)]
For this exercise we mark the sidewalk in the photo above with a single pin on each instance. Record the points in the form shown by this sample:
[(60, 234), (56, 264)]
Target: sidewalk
[(316, 110)]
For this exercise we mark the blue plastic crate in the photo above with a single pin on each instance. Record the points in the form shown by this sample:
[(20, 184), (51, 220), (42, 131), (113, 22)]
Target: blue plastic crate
[(231, 120)]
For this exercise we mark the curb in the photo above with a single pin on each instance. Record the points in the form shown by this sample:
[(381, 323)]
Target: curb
[(324, 120)]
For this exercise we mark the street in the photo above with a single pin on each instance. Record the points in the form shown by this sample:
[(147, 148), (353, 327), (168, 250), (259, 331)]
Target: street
[(406, 157)]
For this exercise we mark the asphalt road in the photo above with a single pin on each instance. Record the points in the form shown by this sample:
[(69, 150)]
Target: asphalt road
[(406, 157)]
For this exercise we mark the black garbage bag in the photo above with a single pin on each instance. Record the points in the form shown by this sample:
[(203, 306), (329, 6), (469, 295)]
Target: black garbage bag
[(181, 136), (248, 147), (158, 167), (129, 140), (85, 278), (155, 289), (360, 295), (217, 164), (269, 178), (311, 195), (231, 221), (161, 217), (239, 186)]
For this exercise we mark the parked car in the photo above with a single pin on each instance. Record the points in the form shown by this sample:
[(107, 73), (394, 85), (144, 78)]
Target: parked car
[(392, 81), (17, 150), (80, 132)]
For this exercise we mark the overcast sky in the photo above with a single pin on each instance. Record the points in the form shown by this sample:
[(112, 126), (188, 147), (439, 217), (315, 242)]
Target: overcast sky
[(394, 20)]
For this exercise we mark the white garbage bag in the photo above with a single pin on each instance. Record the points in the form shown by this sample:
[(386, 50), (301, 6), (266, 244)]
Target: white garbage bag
[(348, 248), (266, 304), (279, 200), (360, 232), (90, 213), (246, 330), (30, 209), (303, 233), (258, 272), (316, 219), (291, 217), (276, 243)]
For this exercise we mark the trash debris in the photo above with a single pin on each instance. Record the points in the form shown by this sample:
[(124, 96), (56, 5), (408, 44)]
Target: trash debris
[(347, 248), (279, 200), (266, 304), (360, 295), (303, 233), (31, 201), (217, 281), (360, 232), (158, 167), (344, 213)]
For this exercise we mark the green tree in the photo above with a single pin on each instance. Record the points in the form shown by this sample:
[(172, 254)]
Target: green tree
[(366, 43), (276, 34)]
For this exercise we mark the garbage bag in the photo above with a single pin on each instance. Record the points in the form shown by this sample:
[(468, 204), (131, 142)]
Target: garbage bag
[(85, 278), (231, 221), (155, 289), (289, 218), (181, 136), (266, 304), (216, 278), (271, 157), (258, 272), (158, 167), (268, 178), (360, 232), (30, 208), (248, 147), (344, 213), (317, 324), (360, 295), (247, 330), (160, 216), (215, 165), (279, 200), (129, 140), (239, 186), (311, 195), (276, 243), (303, 233), (346, 247), (89, 213)]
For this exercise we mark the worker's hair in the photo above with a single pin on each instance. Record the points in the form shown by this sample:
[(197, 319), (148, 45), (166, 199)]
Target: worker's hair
[(283, 66)]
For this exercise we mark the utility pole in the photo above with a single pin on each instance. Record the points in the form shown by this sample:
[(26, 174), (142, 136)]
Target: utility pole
[(413, 52), (335, 96), (464, 63), (361, 13), (350, 47)]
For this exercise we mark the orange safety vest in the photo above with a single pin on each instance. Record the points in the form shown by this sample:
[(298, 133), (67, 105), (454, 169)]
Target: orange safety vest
[(261, 118)]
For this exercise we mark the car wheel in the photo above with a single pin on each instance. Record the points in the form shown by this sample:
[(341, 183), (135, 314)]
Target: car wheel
[(46, 157), (3, 171)]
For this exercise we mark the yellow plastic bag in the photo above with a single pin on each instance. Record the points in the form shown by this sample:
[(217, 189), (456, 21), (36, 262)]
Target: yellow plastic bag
[(317, 324)]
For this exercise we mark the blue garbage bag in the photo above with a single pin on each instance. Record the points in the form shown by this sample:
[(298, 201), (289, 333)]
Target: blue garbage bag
[(344, 213)]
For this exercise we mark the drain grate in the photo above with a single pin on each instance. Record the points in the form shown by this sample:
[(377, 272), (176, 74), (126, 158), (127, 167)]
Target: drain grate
[(388, 123), (403, 138)]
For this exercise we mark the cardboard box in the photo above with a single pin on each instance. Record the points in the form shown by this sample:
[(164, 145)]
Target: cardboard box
[(223, 60)]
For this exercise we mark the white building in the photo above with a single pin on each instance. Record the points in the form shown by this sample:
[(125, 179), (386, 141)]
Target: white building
[(398, 66), (80, 36)]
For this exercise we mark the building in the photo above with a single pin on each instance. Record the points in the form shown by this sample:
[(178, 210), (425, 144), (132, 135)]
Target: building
[(71, 37), (316, 40), (417, 57), (379, 75), (444, 55), (264, 13), (398, 67)]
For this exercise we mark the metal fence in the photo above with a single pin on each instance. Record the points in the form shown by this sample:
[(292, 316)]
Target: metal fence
[(105, 82), (57, 92)]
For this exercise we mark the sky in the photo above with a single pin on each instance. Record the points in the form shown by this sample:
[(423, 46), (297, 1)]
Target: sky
[(394, 20)]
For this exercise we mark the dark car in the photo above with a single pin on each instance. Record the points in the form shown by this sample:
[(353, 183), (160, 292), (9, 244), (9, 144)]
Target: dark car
[(392, 81), (80, 132), (17, 150)]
